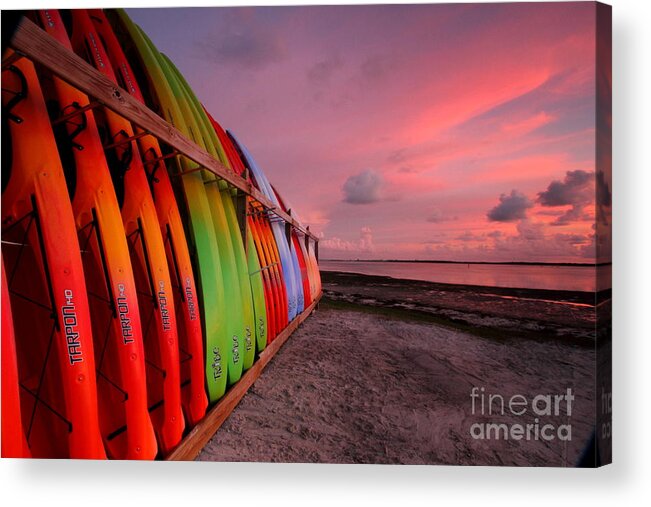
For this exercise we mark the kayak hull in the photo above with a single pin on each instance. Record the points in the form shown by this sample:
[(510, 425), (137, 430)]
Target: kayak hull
[(125, 422), (46, 286)]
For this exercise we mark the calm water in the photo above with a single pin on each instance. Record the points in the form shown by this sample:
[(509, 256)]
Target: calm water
[(581, 278)]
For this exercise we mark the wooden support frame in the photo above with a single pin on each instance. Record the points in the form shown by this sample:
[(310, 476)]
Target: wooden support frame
[(32, 42), (198, 437)]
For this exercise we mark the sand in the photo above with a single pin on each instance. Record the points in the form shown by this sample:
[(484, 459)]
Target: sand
[(363, 384)]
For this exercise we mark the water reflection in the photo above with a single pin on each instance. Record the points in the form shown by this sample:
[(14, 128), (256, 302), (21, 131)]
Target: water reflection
[(580, 278)]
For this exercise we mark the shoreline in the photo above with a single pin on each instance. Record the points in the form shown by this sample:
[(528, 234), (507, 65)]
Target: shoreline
[(549, 294), (491, 311)]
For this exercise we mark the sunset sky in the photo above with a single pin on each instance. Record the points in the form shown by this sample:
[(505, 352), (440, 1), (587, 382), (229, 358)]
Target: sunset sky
[(454, 132)]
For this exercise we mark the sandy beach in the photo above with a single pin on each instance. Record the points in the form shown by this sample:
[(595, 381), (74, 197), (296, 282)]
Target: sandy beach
[(373, 379)]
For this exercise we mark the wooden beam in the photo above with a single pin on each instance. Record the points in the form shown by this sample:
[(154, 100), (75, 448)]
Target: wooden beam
[(198, 437), (34, 43)]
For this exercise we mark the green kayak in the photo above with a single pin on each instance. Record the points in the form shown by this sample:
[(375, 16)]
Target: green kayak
[(218, 329), (250, 299)]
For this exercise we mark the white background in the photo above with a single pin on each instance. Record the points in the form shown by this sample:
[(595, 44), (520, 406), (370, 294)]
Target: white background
[(627, 482)]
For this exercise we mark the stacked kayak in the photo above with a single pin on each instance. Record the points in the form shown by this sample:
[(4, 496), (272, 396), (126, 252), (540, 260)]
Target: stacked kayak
[(136, 285), (45, 283), (118, 326)]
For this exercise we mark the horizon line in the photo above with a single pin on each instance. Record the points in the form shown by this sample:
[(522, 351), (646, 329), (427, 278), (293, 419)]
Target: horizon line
[(427, 261)]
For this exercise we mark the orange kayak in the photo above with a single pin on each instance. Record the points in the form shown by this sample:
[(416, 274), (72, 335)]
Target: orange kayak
[(272, 256), (45, 282), (117, 329), (186, 299), (146, 248), (264, 242), (270, 295)]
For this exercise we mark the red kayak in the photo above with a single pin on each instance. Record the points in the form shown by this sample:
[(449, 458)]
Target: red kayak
[(45, 282), (14, 443)]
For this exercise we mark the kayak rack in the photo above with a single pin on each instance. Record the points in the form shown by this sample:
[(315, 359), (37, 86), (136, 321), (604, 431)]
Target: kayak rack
[(31, 42)]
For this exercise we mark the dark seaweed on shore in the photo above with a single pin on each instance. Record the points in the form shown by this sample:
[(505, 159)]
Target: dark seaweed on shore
[(495, 312)]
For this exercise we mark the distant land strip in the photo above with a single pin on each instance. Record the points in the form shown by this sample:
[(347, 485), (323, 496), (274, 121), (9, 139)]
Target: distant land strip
[(513, 263)]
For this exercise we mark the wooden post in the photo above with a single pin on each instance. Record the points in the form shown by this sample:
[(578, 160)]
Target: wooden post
[(288, 230), (242, 210)]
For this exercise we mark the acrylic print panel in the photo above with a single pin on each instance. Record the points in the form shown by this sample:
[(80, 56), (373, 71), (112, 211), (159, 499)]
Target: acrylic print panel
[(387, 241)]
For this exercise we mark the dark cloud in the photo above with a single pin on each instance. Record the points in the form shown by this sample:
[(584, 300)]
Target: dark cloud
[(574, 214), (250, 49), (363, 188), (550, 212), (569, 191), (438, 216), (512, 207), (469, 236), (375, 67), (321, 72), (397, 155), (604, 200), (573, 239), (576, 190), (604, 196), (603, 228)]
